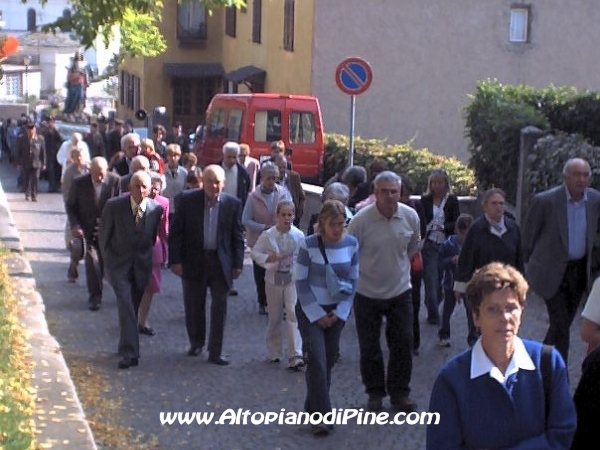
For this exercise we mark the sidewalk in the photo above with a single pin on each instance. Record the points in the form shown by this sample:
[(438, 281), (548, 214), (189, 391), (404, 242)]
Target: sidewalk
[(169, 381), (59, 414)]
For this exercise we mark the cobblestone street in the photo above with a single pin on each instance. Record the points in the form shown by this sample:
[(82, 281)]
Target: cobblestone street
[(167, 380)]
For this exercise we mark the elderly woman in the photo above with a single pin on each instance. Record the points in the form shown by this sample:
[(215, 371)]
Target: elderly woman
[(159, 255), (492, 237), (335, 191), (441, 210), (505, 392), (260, 214), (322, 316)]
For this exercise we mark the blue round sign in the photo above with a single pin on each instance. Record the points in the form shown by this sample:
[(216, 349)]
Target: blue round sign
[(353, 76)]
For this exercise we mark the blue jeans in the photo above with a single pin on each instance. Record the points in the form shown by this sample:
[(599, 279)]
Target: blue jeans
[(432, 279), (323, 345), (448, 309)]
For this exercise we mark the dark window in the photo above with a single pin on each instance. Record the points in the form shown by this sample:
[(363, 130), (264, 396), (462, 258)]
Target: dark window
[(191, 21), (288, 25), (216, 123), (302, 127), (31, 20), (137, 91), (122, 82), (230, 18), (234, 124), (206, 89), (267, 126), (256, 20), (182, 100)]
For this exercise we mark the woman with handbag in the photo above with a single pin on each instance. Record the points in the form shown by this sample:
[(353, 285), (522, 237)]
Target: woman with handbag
[(441, 210), (276, 250), (326, 276)]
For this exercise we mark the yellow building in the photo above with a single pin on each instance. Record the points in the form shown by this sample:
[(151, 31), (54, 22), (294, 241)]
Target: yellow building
[(266, 47)]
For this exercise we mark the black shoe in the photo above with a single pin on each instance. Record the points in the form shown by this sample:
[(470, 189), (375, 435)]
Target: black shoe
[(127, 362), (147, 331), (233, 292), (34, 199), (218, 361), (194, 351), (94, 306), (262, 310), (375, 402)]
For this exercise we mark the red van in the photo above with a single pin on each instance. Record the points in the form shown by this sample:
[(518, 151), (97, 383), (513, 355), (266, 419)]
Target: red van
[(258, 120)]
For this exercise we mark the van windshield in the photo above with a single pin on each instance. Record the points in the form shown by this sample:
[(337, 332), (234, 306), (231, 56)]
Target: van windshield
[(216, 123), (302, 127), (267, 126)]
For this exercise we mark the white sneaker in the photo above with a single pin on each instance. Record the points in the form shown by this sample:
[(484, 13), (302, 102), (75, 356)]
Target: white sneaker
[(444, 342)]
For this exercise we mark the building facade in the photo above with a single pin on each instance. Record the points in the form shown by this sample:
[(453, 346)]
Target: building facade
[(266, 47), (426, 58)]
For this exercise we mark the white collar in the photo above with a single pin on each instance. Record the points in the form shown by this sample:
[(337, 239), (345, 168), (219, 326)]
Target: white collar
[(481, 364)]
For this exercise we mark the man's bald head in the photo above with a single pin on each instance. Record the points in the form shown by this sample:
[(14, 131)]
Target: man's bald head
[(139, 162), (98, 169)]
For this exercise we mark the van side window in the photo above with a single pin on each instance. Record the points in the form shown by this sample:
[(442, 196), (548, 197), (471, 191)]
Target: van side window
[(216, 123), (267, 126), (302, 127), (234, 124)]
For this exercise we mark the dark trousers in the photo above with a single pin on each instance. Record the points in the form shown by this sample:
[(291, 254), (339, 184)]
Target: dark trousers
[(448, 309), (563, 306), (323, 347), (369, 315), (432, 278), (259, 279), (129, 297), (31, 177), (194, 300), (416, 280), (54, 171), (94, 272)]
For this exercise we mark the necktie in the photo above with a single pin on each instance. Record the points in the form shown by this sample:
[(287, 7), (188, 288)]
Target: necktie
[(138, 214)]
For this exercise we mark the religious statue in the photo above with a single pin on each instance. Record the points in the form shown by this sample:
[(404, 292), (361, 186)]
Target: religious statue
[(77, 82)]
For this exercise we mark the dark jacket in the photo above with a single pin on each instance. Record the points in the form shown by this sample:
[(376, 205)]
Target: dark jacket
[(31, 153), (186, 236), (481, 247), (243, 182), (451, 212), (82, 209)]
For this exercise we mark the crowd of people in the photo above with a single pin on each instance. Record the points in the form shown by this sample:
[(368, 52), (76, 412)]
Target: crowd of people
[(136, 208)]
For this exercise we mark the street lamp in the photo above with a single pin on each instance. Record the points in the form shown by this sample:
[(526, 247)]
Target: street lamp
[(27, 62)]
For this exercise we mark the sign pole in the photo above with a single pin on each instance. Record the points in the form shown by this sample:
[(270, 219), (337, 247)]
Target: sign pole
[(352, 123)]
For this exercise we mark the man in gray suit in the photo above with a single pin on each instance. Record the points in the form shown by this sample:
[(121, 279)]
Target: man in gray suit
[(558, 241), (127, 232), (206, 249)]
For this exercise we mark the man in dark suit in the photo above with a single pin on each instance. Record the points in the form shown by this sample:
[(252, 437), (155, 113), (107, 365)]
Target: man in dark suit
[(54, 140), (31, 150), (122, 160), (138, 162), (127, 232), (206, 249), (558, 241), (86, 199), (95, 141)]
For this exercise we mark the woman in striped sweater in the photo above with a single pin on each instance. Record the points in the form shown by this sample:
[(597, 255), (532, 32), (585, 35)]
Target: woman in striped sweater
[(322, 316)]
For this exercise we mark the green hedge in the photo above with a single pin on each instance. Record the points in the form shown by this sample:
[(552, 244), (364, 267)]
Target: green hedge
[(417, 164), (496, 115)]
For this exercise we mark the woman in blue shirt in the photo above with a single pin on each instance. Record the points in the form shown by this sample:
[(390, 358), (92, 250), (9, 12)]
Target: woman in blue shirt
[(493, 396)]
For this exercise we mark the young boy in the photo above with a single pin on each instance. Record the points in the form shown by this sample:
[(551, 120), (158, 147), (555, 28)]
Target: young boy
[(448, 259)]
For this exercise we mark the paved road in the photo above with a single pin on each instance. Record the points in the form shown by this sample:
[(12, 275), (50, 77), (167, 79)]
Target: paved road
[(168, 380)]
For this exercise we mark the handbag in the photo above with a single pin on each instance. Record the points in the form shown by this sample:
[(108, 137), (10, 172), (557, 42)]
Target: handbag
[(336, 287), (416, 263)]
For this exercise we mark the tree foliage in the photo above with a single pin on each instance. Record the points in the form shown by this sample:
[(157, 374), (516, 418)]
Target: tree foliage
[(138, 22)]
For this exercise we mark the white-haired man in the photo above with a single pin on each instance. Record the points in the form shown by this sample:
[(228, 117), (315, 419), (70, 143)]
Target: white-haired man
[(237, 180), (63, 156)]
